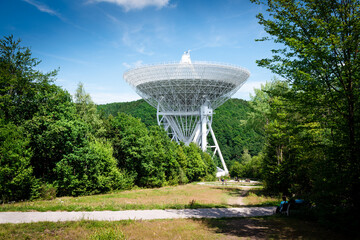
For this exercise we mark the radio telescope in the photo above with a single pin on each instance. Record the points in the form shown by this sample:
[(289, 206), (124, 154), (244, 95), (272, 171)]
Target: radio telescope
[(185, 95)]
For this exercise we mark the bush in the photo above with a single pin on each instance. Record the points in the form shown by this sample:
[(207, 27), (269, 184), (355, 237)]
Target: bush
[(89, 170), (43, 191)]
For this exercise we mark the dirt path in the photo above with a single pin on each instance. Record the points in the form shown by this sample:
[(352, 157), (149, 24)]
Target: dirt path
[(239, 200)]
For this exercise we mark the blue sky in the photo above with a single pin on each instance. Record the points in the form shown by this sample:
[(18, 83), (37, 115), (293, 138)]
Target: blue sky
[(96, 41)]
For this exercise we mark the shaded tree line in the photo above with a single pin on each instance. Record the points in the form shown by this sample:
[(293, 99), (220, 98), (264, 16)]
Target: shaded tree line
[(311, 115), (52, 143)]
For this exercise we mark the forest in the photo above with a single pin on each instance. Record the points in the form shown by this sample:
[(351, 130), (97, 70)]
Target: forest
[(53, 144)]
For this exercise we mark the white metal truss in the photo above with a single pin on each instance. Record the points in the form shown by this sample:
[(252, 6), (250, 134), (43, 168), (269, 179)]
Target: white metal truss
[(185, 95)]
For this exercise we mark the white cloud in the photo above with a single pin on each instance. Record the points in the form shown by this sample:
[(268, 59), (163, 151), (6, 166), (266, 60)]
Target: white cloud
[(43, 8), (112, 18), (46, 9), (136, 39), (129, 5)]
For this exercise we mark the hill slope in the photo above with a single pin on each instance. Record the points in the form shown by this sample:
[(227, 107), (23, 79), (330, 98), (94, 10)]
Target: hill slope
[(139, 109)]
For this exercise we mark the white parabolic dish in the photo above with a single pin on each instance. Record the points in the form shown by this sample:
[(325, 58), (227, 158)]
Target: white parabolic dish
[(186, 93), (186, 86)]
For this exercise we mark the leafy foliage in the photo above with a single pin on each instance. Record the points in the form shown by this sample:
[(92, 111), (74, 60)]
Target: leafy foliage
[(20, 83), (87, 111), (249, 167), (16, 178), (90, 169), (313, 135)]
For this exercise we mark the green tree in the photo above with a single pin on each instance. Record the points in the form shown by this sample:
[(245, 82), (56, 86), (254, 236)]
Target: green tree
[(20, 82), (16, 173), (128, 135), (250, 167), (167, 153), (259, 118), (87, 111), (182, 160), (320, 60), (45, 111), (138, 152), (245, 157), (210, 166), (231, 132), (196, 168), (289, 138), (236, 170), (51, 139)]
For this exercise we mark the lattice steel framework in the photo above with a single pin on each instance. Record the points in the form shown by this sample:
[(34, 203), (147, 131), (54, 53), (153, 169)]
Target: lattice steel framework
[(185, 95)]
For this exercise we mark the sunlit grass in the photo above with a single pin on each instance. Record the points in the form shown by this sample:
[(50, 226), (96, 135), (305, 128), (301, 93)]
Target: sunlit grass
[(230, 228), (256, 198), (172, 197)]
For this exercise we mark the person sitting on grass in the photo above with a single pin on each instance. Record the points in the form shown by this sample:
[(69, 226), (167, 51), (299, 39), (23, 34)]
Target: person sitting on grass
[(283, 205)]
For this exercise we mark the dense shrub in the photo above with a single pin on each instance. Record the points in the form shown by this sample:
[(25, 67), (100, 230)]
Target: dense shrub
[(88, 170)]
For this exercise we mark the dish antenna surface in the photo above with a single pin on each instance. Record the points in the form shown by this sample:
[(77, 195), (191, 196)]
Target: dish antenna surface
[(185, 95)]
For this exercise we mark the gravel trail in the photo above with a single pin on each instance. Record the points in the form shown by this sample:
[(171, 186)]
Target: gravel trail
[(27, 217)]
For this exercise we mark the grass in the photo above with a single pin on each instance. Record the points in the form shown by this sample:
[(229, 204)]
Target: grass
[(173, 197), (231, 228), (186, 196)]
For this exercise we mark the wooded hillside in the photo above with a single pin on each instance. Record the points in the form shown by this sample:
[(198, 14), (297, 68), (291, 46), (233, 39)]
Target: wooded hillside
[(233, 135)]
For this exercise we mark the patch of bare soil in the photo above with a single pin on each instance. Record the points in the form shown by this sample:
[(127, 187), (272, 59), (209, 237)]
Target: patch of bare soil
[(239, 199)]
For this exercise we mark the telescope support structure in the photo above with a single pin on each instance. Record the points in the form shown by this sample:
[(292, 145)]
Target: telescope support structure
[(191, 127)]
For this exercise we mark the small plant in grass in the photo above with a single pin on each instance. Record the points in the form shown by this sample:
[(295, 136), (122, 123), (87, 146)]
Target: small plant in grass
[(193, 204), (43, 191), (47, 191), (108, 234)]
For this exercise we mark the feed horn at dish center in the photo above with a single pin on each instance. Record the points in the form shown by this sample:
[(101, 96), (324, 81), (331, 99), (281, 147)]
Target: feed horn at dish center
[(185, 95)]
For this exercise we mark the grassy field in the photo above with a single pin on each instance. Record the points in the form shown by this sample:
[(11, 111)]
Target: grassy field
[(185, 196), (173, 197), (232, 228)]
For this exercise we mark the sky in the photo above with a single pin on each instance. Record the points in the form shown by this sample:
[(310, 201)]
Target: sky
[(95, 41)]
